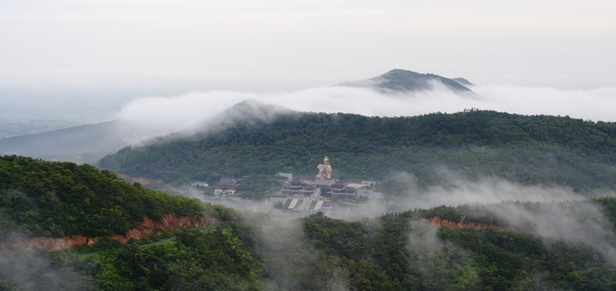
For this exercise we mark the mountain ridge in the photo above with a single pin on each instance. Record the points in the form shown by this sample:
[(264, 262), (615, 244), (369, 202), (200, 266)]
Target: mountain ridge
[(84, 143), (89, 143), (526, 149), (398, 80)]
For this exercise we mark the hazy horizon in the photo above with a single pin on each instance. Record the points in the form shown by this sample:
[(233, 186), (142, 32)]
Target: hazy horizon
[(164, 46), (66, 63), (161, 114)]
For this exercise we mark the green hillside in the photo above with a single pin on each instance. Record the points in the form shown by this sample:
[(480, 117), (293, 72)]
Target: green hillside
[(40, 199), (525, 149), (86, 142), (55, 199), (540, 246), (252, 251)]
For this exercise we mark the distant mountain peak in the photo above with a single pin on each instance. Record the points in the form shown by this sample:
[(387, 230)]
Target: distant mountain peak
[(255, 109), (398, 80), (248, 112)]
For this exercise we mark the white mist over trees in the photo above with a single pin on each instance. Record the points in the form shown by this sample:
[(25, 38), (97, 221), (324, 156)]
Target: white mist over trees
[(164, 115)]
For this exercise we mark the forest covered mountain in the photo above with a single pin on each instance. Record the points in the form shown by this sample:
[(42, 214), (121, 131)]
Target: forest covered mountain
[(398, 80), (505, 246), (75, 227), (89, 143), (530, 150), (57, 199)]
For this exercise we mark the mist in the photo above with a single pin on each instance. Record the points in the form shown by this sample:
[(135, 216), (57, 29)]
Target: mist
[(163, 115), (583, 223), (555, 213), (292, 258), (33, 269), (433, 257)]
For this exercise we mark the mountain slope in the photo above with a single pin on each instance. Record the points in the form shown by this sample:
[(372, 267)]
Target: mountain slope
[(57, 199), (91, 142), (469, 247), (525, 149), (398, 80)]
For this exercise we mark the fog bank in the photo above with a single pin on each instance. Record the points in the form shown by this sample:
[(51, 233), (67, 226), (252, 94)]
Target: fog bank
[(164, 115)]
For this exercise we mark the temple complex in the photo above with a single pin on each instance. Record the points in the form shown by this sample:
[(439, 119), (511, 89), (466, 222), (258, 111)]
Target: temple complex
[(320, 193), (298, 187), (302, 195), (323, 186), (226, 186)]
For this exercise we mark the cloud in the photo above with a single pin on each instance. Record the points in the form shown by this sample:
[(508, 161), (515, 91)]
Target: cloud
[(436, 260), (287, 249), (291, 260), (591, 104), (554, 213), (582, 223), (460, 190), (35, 270), (164, 115)]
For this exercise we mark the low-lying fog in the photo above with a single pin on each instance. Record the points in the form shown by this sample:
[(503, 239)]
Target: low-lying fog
[(583, 224), (552, 219), (163, 115)]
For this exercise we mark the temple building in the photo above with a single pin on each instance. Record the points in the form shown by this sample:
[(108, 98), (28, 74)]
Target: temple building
[(297, 187), (341, 190), (324, 186), (226, 186)]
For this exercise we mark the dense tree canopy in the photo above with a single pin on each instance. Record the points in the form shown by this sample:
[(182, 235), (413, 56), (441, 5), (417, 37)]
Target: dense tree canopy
[(61, 198), (526, 149), (565, 245), (397, 251)]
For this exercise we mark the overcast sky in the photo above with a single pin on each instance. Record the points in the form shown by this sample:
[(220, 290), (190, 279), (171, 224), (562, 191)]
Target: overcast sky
[(165, 46)]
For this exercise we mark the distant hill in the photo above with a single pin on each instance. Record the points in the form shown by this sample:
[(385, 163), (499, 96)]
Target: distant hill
[(526, 149), (398, 80), (82, 144), (89, 143)]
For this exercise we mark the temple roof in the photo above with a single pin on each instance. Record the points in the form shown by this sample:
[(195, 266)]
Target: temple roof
[(226, 182)]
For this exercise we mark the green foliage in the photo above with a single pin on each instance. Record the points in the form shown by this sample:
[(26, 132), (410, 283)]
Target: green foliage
[(207, 191), (524, 149), (396, 186), (221, 257), (195, 260), (258, 186), (252, 251), (60, 198), (395, 254)]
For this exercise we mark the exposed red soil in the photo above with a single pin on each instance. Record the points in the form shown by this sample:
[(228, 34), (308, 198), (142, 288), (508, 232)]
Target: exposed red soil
[(145, 229)]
